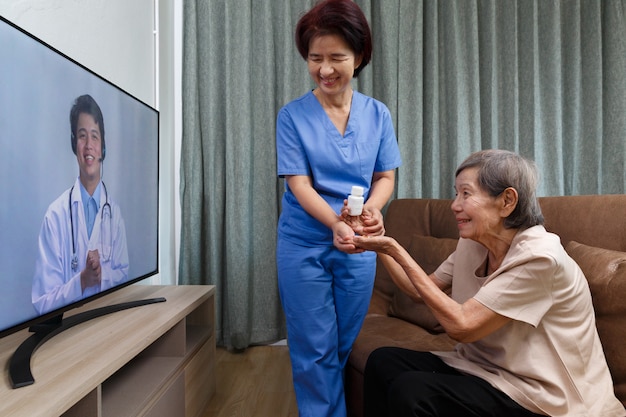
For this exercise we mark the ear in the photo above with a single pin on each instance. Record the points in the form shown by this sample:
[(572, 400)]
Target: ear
[(509, 198), (357, 61)]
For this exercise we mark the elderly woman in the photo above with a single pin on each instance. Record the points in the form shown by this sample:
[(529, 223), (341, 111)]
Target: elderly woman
[(520, 309)]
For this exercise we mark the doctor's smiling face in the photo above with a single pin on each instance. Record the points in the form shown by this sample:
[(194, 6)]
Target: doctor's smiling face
[(88, 150)]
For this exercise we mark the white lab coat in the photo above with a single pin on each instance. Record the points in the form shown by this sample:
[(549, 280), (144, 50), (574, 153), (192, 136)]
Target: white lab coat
[(55, 283)]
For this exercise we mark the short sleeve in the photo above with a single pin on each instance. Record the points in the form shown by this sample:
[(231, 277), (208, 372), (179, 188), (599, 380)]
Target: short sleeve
[(445, 271), (388, 152), (291, 156)]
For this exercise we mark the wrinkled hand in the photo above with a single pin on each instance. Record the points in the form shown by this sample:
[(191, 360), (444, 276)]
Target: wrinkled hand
[(380, 244)]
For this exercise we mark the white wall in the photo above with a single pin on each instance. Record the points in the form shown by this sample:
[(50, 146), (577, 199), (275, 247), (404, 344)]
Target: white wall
[(132, 44)]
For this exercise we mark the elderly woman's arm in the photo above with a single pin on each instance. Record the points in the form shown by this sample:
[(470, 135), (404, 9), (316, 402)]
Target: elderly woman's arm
[(465, 322)]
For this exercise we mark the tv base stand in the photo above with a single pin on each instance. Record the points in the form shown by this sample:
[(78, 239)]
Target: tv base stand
[(157, 360)]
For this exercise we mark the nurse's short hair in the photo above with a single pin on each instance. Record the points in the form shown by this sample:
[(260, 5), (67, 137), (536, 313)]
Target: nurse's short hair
[(336, 17), (500, 169)]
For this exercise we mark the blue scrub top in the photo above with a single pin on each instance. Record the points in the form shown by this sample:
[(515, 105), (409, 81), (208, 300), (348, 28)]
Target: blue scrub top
[(307, 143)]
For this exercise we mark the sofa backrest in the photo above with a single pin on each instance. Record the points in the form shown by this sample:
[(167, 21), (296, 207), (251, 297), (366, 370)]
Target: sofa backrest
[(410, 216), (594, 220)]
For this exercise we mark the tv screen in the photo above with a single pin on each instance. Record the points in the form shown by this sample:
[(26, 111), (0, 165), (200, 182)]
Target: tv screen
[(78, 183)]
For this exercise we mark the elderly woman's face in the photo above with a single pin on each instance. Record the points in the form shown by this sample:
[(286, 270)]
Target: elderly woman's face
[(478, 216)]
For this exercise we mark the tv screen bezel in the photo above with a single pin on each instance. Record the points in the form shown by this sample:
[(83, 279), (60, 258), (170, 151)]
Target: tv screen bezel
[(56, 314)]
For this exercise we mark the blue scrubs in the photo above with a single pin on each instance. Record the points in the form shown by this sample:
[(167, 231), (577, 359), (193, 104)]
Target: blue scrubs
[(325, 293)]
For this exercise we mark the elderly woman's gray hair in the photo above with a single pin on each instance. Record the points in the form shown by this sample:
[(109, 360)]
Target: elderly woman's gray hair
[(500, 169)]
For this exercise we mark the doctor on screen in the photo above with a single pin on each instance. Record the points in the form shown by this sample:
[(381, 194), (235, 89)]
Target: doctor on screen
[(82, 242)]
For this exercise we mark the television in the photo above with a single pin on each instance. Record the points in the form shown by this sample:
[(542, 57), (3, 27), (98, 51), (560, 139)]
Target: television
[(79, 186)]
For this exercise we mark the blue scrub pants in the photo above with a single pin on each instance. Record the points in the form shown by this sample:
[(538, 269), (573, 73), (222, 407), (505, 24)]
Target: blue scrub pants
[(325, 295)]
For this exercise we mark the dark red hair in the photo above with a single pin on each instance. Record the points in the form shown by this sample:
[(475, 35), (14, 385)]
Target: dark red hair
[(336, 17)]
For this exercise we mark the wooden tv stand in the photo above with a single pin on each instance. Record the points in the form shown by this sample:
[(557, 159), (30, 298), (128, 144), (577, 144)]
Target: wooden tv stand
[(154, 360)]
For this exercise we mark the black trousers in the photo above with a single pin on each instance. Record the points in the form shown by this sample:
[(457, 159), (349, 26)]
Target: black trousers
[(402, 383)]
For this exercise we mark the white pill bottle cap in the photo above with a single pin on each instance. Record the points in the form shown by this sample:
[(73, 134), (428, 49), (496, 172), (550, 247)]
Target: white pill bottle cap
[(357, 191)]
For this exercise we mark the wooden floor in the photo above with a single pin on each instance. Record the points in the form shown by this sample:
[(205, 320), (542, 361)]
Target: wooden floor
[(256, 383)]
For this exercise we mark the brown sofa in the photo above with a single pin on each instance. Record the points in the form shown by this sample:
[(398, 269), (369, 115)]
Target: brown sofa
[(592, 229)]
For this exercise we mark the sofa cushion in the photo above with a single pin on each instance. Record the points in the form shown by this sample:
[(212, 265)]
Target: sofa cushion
[(429, 252), (605, 271), (380, 331)]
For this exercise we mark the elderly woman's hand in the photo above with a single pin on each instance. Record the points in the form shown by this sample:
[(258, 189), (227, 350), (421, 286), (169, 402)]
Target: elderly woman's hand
[(380, 244)]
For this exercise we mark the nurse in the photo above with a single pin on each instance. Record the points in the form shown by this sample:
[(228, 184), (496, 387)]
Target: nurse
[(328, 140), (82, 241)]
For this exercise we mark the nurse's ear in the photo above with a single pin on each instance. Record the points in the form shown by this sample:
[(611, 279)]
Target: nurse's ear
[(358, 60)]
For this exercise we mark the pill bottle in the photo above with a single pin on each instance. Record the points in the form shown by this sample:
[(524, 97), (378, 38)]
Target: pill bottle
[(355, 201)]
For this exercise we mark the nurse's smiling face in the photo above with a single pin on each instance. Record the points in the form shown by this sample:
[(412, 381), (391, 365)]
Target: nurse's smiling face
[(88, 150), (331, 64)]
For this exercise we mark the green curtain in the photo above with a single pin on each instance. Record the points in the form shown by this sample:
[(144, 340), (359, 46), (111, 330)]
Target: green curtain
[(544, 78)]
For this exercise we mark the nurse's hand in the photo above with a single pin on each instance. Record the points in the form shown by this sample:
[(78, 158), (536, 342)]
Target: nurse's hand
[(343, 236), (370, 222), (92, 274)]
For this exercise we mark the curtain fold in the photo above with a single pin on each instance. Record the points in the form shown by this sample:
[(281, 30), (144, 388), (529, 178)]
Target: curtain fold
[(235, 65), (544, 78)]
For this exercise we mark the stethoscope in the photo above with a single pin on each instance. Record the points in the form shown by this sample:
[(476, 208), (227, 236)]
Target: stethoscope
[(105, 208)]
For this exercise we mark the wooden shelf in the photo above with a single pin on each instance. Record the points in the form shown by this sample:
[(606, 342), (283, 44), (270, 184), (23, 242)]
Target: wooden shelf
[(154, 360)]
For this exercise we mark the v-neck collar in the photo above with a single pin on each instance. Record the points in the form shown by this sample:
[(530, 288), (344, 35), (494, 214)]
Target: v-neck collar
[(352, 117)]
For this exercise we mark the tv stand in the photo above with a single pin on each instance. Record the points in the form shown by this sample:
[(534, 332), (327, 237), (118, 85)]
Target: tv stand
[(19, 367), (158, 360)]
